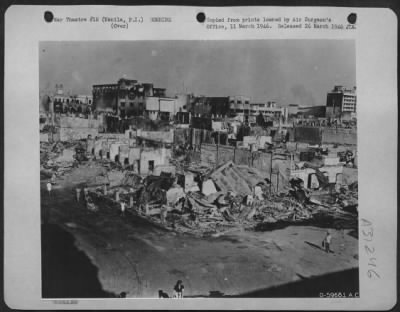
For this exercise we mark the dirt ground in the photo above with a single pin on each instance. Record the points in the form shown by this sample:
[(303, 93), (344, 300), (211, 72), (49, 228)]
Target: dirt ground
[(128, 254)]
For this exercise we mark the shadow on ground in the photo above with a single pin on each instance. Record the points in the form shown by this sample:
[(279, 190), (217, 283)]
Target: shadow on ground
[(344, 283), (66, 271), (318, 220)]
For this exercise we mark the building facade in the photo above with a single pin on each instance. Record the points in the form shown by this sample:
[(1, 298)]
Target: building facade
[(210, 107), (239, 105), (341, 102), (125, 98), (64, 103)]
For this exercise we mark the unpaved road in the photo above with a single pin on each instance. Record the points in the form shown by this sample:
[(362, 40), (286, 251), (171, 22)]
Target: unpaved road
[(127, 254)]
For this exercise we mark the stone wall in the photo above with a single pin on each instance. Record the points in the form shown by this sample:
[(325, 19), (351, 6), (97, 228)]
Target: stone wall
[(163, 136), (70, 134), (76, 122), (208, 154), (159, 156), (339, 136), (225, 153), (216, 155), (311, 135), (75, 128)]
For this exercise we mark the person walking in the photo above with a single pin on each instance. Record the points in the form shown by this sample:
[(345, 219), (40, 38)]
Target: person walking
[(178, 289), (85, 193), (78, 194), (49, 187), (327, 242), (123, 204)]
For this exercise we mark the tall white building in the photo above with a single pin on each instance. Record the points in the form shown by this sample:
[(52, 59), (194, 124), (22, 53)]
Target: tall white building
[(341, 102)]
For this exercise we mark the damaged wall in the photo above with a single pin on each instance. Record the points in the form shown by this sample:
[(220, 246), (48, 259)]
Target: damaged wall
[(76, 122), (154, 157), (216, 155), (72, 134), (339, 136), (134, 155), (75, 128), (163, 136), (261, 161), (350, 175), (243, 157), (208, 154), (225, 154), (124, 154), (182, 136), (311, 135)]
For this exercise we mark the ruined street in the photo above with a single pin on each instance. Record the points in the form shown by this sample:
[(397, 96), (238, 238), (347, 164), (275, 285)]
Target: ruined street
[(102, 254), (218, 188)]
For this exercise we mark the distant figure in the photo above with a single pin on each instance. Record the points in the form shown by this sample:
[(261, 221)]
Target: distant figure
[(49, 187), (85, 193), (123, 204), (178, 289), (53, 178), (78, 194), (327, 242), (162, 294), (163, 214)]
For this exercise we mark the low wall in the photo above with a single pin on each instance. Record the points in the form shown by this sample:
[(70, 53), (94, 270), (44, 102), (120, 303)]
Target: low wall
[(216, 155), (339, 136), (225, 154), (163, 136), (311, 135), (70, 134), (208, 154), (76, 122)]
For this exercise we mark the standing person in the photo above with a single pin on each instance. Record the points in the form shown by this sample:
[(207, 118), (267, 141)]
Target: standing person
[(327, 242), (49, 187), (78, 194), (123, 208), (179, 289), (85, 193), (53, 178), (164, 213)]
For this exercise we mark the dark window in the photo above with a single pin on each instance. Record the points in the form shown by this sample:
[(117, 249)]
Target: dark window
[(122, 104), (151, 165)]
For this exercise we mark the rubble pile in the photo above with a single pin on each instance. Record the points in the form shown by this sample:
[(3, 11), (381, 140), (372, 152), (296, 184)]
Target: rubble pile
[(348, 197), (57, 158), (200, 199)]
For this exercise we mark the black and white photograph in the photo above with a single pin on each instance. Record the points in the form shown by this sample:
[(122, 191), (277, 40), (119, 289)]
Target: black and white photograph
[(200, 158), (198, 169)]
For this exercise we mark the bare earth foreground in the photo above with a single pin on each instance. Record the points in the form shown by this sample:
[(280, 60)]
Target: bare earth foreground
[(102, 254)]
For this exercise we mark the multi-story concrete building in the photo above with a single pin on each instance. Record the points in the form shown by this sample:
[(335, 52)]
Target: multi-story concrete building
[(269, 109), (239, 105), (341, 102), (127, 97), (166, 108), (76, 103), (210, 107)]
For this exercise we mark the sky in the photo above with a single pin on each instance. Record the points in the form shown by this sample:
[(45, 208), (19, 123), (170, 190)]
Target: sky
[(287, 71)]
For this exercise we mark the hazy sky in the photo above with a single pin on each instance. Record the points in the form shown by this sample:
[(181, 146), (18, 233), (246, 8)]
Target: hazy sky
[(289, 71)]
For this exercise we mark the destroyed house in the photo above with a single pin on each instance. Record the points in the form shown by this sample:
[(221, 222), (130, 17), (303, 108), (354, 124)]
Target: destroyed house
[(238, 179), (126, 97), (211, 107)]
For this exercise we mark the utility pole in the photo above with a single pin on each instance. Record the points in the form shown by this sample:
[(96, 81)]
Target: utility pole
[(270, 175)]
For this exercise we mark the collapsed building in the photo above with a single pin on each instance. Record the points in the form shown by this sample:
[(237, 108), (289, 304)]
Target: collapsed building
[(207, 172)]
